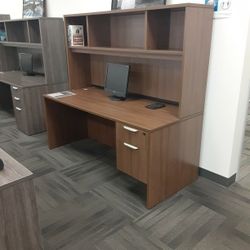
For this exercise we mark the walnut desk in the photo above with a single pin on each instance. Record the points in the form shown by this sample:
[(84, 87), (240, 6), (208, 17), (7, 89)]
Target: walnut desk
[(153, 146)]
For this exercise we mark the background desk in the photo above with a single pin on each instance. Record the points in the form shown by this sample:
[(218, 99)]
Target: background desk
[(44, 39), (25, 95), (153, 146)]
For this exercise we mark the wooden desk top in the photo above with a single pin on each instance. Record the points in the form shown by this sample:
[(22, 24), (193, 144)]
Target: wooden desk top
[(131, 111), (13, 171), (18, 79)]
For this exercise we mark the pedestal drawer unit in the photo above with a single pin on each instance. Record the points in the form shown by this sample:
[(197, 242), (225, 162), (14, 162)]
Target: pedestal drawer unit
[(28, 108), (132, 151)]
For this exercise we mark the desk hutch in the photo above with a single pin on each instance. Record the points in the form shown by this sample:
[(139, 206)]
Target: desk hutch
[(44, 39), (168, 51)]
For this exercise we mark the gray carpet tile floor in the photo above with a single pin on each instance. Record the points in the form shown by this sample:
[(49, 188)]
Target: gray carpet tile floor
[(85, 203)]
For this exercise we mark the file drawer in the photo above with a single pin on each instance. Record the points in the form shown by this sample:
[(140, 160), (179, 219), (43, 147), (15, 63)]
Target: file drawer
[(132, 151), (17, 101), (21, 120), (16, 91)]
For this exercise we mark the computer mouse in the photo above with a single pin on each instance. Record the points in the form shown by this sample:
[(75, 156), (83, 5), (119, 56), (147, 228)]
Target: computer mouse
[(156, 105)]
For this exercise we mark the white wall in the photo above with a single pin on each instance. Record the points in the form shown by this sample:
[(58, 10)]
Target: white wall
[(227, 93), (228, 80), (61, 7), (243, 106), (12, 7), (56, 8)]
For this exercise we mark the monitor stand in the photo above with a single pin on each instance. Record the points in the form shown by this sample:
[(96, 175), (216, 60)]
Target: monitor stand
[(116, 98)]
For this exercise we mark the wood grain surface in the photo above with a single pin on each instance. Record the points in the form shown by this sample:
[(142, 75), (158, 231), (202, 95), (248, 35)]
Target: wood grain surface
[(13, 171), (19, 218), (197, 42), (18, 79), (130, 111), (173, 159)]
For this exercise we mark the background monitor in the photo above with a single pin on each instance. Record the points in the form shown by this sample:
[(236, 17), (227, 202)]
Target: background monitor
[(26, 63), (117, 80)]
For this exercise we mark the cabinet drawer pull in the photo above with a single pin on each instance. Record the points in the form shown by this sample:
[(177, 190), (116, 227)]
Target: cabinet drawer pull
[(18, 109), (130, 129), (16, 98), (15, 88), (130, 146)]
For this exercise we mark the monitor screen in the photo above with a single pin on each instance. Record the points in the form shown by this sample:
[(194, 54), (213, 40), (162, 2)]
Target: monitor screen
[(117, 80), (26, 63)]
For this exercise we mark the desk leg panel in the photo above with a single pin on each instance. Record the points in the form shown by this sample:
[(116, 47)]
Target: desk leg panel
[(173, 159), (64, 124)]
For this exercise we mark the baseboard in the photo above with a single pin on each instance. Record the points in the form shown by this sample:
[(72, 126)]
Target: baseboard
[(217, 178)]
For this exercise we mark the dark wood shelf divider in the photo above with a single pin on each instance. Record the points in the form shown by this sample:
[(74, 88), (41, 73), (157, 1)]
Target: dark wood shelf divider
[(138, 53)]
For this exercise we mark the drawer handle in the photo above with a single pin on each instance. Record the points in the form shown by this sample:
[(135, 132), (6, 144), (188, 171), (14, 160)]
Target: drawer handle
[(16, 98), (130, 129), (130, 146), (19, 109), (15, 88)]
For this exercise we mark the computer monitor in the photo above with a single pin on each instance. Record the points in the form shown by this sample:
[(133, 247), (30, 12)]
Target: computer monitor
[(26, 63), (116, 82)]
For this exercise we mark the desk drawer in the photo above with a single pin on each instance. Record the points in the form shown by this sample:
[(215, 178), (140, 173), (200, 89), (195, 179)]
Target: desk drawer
[(21, 120), (17, 101), (16, 91), (132, 147), (17, 98)]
